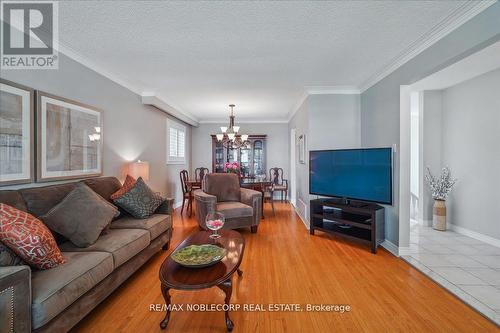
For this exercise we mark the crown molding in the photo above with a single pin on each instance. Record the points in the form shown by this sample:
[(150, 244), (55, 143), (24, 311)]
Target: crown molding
[(461, 15), (332, 90), (321, 90), (297, 105), (156, 101), (245, 121), (151, 99)]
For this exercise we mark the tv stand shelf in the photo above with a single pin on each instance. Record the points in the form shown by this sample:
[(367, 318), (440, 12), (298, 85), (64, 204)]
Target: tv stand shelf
[(356, 220)]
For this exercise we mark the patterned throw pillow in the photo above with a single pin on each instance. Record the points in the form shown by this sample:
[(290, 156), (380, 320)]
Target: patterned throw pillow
[(81, 216), (127, 185), (140, 201), (9, 258), (29, 238)]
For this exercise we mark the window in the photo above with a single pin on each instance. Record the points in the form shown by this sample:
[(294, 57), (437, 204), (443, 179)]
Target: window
[(176, 143)]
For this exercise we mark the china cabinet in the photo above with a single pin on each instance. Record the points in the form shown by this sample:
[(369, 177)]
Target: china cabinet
[(252, 158)]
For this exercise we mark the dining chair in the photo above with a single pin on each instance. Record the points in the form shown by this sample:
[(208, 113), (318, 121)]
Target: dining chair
[(279, 183), (199, 173), (186, 192), (269, 196)]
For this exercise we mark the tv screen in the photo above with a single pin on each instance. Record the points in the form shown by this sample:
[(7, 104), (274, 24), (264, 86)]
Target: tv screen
[(359, 174)]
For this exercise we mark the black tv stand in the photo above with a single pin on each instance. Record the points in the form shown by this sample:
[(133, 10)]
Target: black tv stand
[(346, 202), (357, 220)]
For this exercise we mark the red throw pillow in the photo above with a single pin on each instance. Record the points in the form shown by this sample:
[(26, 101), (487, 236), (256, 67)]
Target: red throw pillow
[(29, 238), (127, 185)]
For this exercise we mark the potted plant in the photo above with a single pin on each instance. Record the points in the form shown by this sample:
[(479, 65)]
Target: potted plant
[(233, 167), (440, 188)]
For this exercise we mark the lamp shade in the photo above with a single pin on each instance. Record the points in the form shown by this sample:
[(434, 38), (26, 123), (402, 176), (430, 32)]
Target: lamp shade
[(139, 169)]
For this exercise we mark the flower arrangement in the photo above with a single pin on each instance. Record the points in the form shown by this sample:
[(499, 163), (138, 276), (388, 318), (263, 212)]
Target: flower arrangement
[(440, 187), (233, 167)]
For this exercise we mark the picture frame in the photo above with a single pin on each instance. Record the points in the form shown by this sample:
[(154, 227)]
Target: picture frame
[(17, 138), (302, 148), (69, 138)]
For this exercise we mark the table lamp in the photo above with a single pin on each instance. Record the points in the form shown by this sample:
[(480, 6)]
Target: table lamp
[(139, 169)]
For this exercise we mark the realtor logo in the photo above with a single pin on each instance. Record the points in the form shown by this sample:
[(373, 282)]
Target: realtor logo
[(29, 35)]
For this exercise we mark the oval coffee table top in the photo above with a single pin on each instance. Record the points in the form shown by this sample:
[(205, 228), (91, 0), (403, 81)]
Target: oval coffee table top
[(176, 276)]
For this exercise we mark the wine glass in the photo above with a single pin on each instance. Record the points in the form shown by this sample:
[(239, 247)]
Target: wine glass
[(214, 222)]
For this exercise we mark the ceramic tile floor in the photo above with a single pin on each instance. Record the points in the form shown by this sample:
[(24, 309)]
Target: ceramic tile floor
[(468, 268)]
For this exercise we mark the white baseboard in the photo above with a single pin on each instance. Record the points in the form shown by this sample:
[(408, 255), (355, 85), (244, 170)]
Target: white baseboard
[(391, 247), (475, 235), (301, 217), (404, 251)]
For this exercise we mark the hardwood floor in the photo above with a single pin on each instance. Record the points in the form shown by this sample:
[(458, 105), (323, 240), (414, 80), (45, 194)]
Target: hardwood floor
[(284, 264)]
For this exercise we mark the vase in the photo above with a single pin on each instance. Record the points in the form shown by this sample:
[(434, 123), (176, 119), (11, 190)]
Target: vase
[(439, 215)]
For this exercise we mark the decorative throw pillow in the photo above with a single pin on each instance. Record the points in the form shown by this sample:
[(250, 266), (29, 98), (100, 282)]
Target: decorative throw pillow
[(9, 258), (29, 238), (140, 201), (127, 185), (81, 216)]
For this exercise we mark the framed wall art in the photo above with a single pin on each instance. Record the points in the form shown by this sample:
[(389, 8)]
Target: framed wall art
[(302, 148), (69, 138), (16, 133)]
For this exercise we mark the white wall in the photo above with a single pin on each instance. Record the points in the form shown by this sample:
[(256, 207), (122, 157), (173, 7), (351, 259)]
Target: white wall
[(471, 148), (334, 121), (300, 122), (277, 143), (329, 122), (432, 144), (131, 130)]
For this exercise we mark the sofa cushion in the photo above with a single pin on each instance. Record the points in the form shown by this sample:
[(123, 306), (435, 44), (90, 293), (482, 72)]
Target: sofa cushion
[(81, 216), (127, 185), (9, 257), (40, 200), (123, 244), (225, 186), (14, 199), (29, 238), (234, 209), (140, 201), (55, 289), (104, 186), (156, 224)]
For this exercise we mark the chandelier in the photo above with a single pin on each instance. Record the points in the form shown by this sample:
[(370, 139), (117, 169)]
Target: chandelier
[(230, 137)]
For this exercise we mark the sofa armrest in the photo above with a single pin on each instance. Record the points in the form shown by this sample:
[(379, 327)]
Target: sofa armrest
[(254, 199), (166, 207), (205, 203), (15, 299)]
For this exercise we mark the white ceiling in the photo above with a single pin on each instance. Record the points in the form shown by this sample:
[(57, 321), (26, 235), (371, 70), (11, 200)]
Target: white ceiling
[(201, 56)]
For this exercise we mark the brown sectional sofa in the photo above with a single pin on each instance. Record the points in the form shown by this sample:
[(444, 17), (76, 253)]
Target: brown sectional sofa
[(55, 300)]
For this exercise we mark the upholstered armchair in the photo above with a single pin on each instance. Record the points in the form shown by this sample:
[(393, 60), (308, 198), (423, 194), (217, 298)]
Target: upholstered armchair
[(221, 192)]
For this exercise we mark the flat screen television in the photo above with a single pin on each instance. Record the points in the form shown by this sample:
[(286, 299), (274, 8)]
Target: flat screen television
[(358, 174)]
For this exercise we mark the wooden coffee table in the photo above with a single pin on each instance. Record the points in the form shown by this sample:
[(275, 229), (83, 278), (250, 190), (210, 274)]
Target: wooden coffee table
[(175, 276)]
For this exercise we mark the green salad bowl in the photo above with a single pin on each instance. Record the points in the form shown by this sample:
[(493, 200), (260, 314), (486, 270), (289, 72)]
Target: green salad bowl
[(198, 256)]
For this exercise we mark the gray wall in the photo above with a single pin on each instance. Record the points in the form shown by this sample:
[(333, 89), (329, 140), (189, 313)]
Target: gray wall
[(380, 104), (329, 122), (471, 139), (277, 143), (131, 130), (334, 121)]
